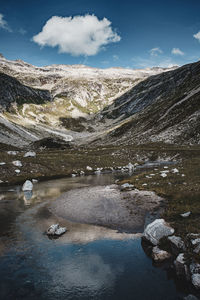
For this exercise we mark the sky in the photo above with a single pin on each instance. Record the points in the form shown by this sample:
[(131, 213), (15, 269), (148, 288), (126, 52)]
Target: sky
[(101, 33)]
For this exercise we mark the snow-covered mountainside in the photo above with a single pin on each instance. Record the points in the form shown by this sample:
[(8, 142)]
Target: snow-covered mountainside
[(163, 108), (52, 100)]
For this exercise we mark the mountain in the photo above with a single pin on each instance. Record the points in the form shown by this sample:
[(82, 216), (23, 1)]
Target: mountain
[(162, 108), (58, 100)]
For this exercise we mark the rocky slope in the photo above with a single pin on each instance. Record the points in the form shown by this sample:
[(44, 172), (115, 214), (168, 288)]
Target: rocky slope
[(54, 100), (163, 108)]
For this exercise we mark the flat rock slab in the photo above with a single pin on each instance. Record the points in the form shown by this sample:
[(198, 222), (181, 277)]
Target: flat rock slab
[(108, 206)]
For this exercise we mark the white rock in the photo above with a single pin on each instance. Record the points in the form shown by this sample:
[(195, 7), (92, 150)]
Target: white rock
[(160, 255), (126, 186), (27, 186), (165, 167), (163, 175), (196, 280), (17, 163), (17, 171), (157, 230), (1, 181), (88, 168), (56, 230), (82, 173), (12, 152), (130, 166), (185, 215), (175, 170), (30, 154), (195, 241), (2, 163), (34, 180), (73, 175)]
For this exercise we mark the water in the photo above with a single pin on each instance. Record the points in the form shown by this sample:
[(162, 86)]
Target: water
[(88, 262)]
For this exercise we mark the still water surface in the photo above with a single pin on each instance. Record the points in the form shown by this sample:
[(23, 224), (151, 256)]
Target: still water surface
[(88, 262)]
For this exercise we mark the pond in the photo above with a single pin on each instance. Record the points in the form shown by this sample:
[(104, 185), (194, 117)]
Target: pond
[(88, 262)]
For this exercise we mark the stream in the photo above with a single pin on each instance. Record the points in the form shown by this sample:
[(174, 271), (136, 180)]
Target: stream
[(88, 262)]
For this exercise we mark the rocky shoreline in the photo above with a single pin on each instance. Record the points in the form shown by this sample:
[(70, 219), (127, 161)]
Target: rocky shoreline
[(161, 243)]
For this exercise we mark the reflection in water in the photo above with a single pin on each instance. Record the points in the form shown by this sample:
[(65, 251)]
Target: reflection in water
[(27, 197), (88, 262)]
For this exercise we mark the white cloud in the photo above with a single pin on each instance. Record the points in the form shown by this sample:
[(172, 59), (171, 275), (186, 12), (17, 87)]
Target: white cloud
[(78, 35), (177, 51), (4, 24), (197, 36), (155, 61), (155, 51)]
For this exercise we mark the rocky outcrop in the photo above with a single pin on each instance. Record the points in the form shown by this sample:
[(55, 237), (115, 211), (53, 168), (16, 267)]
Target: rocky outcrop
[(163, 108), (13, 93)]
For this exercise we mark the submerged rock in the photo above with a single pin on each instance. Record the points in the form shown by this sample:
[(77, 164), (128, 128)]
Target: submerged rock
[(27, 186), (56, 230), (107, 206), (160, 255), (157, 230)]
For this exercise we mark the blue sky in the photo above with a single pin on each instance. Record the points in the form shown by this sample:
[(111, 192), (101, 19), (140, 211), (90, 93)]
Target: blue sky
[(135, 34)]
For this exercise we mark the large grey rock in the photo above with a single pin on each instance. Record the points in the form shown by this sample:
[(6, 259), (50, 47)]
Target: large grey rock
[(56, 230), (196, 280), (177, 244), (157, 230), (27, 186), (160, 255)]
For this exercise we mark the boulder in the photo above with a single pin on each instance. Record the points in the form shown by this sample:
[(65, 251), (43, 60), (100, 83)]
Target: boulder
[(177, 244), (88, 168), (27, 186), (56, 230), (197, 249), (181, 267), (185, 215), (17, 163), (126, 186), (196, 280), (159, 255), (30, 154), (195, 268), (157, 230)]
